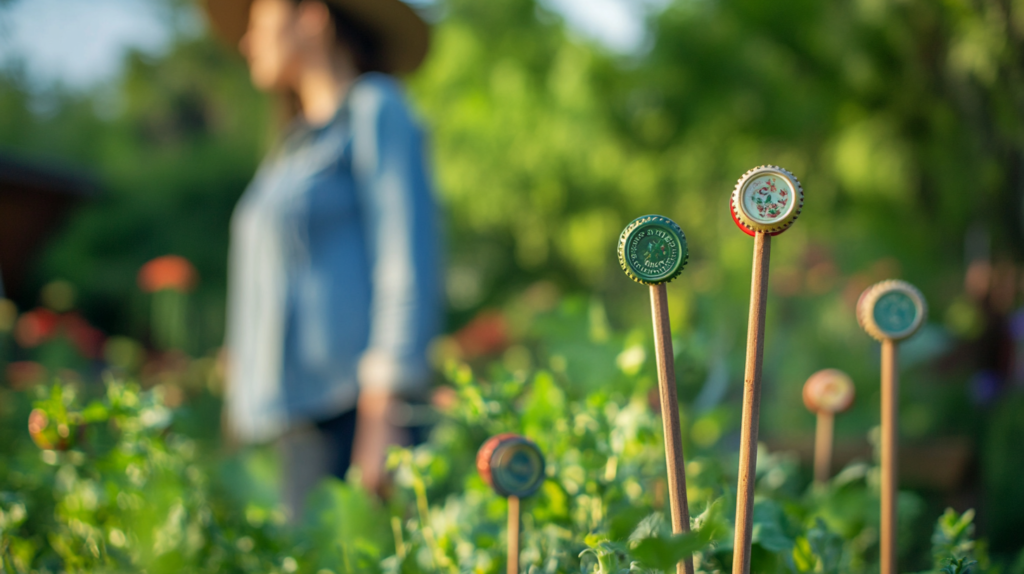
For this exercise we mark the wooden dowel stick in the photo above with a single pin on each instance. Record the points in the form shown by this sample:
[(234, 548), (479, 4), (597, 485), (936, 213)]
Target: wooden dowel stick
[(823, 447), (513, 535), (890, 430), (670, 418), (890, 311), (751, 405)]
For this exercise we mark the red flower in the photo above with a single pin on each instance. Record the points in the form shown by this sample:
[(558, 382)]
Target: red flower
[(35, 327), (86, 338), (41, 325), (168, 272)]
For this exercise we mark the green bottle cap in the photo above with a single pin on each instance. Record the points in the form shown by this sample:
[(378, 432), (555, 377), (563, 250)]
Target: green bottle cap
[(891, 310), (652, 250)]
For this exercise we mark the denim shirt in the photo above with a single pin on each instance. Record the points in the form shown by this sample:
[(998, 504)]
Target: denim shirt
[(334, 278)]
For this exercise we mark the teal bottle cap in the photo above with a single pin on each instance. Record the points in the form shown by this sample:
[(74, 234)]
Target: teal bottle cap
[(767, 199), (652, 250), (892, 310), (511, 464)]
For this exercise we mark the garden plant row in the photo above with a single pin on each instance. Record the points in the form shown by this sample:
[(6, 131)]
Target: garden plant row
[(118, 483)]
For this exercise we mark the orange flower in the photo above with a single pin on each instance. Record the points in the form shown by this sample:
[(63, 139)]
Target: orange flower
[(168, 272)]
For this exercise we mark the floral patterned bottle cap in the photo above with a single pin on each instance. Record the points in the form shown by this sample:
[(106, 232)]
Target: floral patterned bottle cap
[(891, 310), (766, 198), (511, 464), (652, 250), (828, 391)]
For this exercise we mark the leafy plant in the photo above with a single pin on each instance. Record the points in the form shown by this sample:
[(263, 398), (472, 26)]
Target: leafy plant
[(958, 566)]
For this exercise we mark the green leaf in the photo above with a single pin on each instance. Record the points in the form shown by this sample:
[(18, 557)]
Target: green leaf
[(95, 412), (769, 531), (825, 546), (338, 512), (664, 553)]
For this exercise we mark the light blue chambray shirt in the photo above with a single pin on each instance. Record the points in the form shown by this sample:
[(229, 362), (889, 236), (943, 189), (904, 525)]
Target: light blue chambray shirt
[(334, 269)]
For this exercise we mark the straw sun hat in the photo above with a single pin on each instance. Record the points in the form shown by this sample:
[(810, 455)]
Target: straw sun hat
[(404, 37)]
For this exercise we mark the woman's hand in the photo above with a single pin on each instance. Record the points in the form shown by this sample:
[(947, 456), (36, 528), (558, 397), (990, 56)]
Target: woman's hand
[(222, 370), (374, 434)]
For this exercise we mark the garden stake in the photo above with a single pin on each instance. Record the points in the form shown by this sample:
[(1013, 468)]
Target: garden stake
[(890, 311), (765, 202), (514, 467), (826, 393), (652, 251)]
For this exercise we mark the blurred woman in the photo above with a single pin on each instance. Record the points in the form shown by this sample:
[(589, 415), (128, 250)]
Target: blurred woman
[(334, 278)]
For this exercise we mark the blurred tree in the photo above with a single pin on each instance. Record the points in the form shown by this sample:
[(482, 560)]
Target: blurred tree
[(175, 142)]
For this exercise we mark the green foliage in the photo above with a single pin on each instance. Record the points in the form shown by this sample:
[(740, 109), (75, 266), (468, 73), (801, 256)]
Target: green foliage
[(342, 525), (958, 566), (953, 544), (144, 497), (953, 535), (820, 550), (131, 495), (136, 491), (1001, 471)]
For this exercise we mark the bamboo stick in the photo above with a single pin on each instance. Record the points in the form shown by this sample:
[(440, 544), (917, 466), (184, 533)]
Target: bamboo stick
[(751, 405), (890, 311), (823, 447), (670, 418), (890, 473), (513, 535)]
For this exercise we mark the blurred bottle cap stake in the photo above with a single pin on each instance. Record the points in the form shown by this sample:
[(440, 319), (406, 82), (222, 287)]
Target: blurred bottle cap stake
[(828, 391), (891, 310), (511, 464), (766, 198), (652, 250)]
